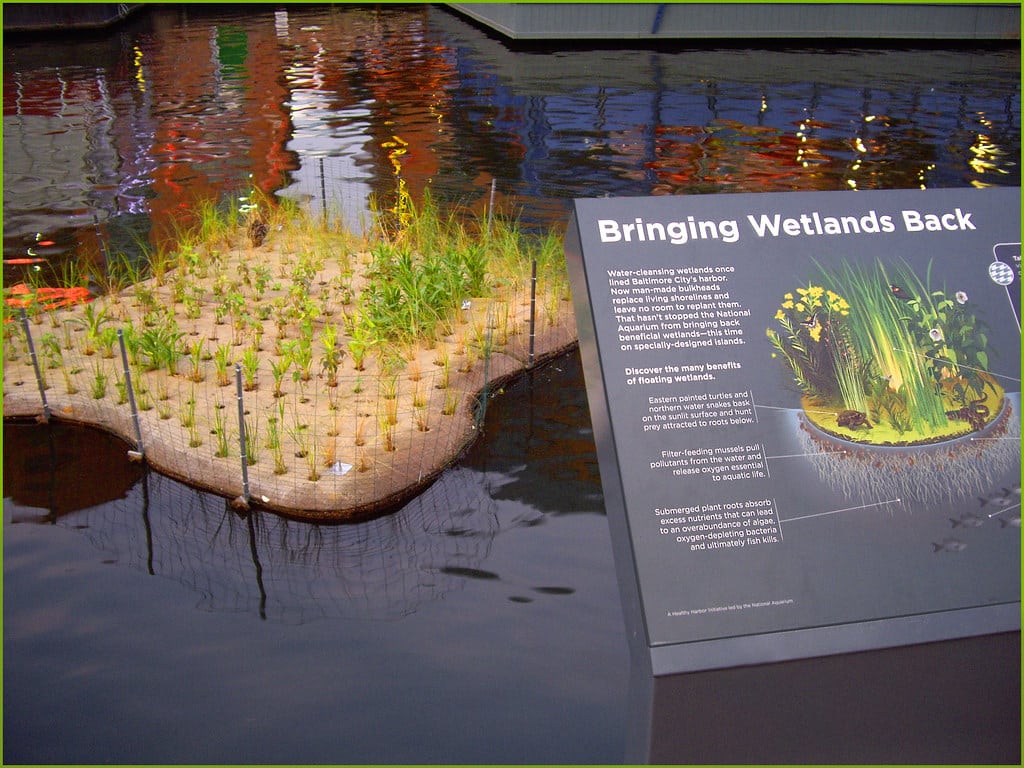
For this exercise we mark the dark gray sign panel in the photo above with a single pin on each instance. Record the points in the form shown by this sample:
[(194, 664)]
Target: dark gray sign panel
[(807, 411)]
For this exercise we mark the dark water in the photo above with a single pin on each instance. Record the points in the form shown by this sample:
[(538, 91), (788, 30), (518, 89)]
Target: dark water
[(480, 623), (143, 622)]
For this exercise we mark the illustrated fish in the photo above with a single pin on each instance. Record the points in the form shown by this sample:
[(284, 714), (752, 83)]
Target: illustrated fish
[(967, 520), (1003, 499), (949, 545)]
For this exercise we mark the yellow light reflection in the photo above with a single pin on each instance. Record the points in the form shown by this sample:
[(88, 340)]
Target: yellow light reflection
[(987, 155), (137, 63)]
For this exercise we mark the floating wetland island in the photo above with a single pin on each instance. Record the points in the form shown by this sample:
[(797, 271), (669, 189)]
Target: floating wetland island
[(276, 358)]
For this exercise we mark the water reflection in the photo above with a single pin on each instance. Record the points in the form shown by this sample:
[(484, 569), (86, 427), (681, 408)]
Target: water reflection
[(293, 572), (280, 569), (109, 142), (40, 462)]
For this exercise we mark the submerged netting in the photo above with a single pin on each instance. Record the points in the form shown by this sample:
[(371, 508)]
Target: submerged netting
[(292, 571)]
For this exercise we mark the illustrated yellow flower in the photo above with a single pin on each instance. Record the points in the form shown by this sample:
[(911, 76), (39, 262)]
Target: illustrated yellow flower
[(780, 315), (816, 333), (788, 296), (787, 304)]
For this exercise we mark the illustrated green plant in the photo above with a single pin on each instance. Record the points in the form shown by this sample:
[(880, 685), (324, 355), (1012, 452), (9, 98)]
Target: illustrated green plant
[(816, 344), (117, 273), (72, 275), (882, 342), (947, 335), (66, 336), (389, 388), (879, 328)]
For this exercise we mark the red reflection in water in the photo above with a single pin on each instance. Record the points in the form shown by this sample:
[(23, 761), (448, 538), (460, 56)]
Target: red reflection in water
[(45, 298), (36, 458)]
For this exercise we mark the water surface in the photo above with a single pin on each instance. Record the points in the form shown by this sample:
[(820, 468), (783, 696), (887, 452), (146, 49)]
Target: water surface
[(144, 621)]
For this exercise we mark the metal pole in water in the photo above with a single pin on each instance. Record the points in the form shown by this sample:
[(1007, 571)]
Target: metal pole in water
[(35, 365), (139, 451), (481, 409), (243, 501), (103, 246), (490, 207), (323, 190), (533, 307)]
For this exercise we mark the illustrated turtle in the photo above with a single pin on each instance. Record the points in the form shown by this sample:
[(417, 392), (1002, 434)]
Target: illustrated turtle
[(852, 419)]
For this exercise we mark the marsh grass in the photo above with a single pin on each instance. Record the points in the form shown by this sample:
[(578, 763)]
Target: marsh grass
[(438, 289)]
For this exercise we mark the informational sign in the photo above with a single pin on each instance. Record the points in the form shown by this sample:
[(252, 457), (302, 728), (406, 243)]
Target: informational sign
[(807, 412)]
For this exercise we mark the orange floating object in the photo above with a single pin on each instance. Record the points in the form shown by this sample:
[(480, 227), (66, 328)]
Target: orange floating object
[(20, 295), (24, 261)]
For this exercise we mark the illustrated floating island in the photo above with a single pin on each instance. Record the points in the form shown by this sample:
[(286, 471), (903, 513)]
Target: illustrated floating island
[(351, 370), (884, 359)]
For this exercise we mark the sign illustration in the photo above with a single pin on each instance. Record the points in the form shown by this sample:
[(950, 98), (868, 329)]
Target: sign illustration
[(807, 408)]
